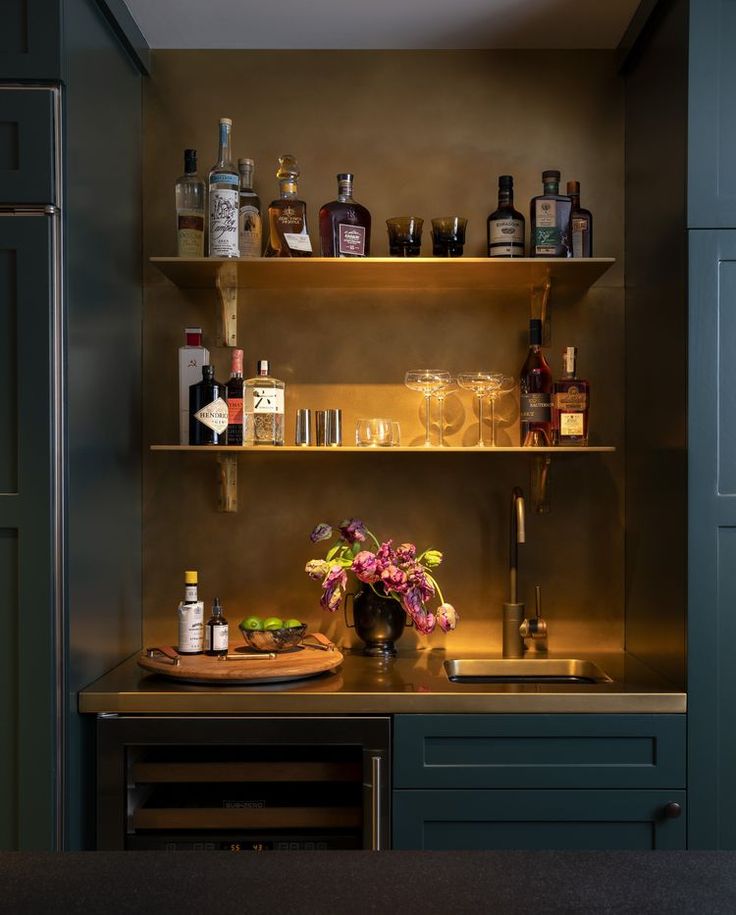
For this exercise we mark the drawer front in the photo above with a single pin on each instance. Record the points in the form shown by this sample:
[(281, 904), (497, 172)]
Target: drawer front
[(27, 146), (539, 751), (30, 40), (555, 820)]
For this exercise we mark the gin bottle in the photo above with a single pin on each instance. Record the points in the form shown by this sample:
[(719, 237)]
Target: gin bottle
[(190, 209), (264, 407), (250, 229), (550, 223), (224, 184), (208, 414), (288, 235), (344, 224)]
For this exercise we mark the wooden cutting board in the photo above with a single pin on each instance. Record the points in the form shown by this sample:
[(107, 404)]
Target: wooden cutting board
[(244, 666)]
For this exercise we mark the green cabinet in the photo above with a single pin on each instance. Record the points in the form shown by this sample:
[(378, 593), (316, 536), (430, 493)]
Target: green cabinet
[(539, 781)]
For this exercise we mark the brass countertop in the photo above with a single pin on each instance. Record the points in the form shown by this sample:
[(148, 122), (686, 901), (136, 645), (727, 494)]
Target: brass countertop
[(415, 681)]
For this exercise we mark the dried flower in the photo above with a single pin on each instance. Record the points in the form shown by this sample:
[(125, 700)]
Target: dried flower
[(447, 617), (353, 530), (321, 532), (333, 588), (364, 566), (406, 552), (393, 578), (424, 622), (432, 558), (317, 569)]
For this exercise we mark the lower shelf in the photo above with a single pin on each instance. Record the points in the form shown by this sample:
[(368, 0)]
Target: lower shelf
[(354, 449)]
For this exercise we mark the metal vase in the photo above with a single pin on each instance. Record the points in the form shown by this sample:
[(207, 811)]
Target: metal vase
[(377, 620)]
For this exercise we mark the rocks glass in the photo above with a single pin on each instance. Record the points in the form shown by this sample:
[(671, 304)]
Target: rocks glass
[(404, 236), (448, 236)]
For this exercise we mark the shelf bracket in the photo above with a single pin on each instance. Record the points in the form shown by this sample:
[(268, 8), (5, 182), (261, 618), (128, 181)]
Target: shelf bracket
[(541, 465), (227, 469), (227, 292)]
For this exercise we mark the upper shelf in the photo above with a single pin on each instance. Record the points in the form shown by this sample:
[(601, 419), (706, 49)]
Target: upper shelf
[(566, 275)]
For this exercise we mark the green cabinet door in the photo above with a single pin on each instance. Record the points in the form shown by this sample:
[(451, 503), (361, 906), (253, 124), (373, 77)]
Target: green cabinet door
[(30, 40), (453, 820)]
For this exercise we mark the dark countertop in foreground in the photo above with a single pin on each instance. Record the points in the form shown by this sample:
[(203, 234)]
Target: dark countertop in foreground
[(291, 883), (414, 682)]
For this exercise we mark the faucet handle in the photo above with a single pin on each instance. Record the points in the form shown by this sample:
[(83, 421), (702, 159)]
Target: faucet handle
[(535, 628)]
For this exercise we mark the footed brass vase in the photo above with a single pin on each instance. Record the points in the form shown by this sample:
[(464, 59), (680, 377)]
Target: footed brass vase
[(377, 620)]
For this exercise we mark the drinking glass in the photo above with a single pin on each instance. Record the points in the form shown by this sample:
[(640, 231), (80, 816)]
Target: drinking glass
[(395, 434), (448, 236), (480, 383), (374, 433), (498, 384), (404, 236), (426, 381), (445, 386)]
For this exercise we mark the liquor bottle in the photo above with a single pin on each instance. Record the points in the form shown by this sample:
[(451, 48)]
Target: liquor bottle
[(250, 226), (207, 410), (264, 408), (550, 224), (235, 400), (217, 632), (189, 194), (570, 404), (582, 223), (344, 224), (192, 356), (191, 618), (224, 184), (535, 386), (505, 224), (288, 235)]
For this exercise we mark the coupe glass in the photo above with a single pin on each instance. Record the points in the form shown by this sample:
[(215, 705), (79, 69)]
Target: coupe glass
[(426, 381), (498, 384), (481, 384), (445, 386)]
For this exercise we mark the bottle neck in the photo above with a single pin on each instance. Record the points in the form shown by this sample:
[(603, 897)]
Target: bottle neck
[(345, 191), (552, 187), (224, 155), (190, 594), (505, 198), (575, 201), (288, 188), (246, 178), (236, 366)]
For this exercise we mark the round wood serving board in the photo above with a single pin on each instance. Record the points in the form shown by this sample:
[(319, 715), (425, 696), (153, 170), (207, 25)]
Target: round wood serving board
[(300, 662)]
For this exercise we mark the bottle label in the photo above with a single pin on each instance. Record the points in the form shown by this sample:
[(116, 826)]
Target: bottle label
[(536, 408), (235, 411), (217, 638), (268, 400), (547, 234), (506, 237), (571, 425), (571, 400), (214, 415), (250, 231), (191, 628), (351, 240), (223, 219), (579, 228), (297, 241), (190, 233)]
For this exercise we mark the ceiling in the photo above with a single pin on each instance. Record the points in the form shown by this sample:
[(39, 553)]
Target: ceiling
[(382, 24)]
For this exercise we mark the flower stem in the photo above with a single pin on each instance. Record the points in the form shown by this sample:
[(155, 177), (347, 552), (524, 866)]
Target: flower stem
[(433, 580)]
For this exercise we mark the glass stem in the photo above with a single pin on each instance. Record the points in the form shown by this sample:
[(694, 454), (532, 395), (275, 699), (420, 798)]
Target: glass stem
[(480, 420), (427, 418), (441, 401), (493, 421)]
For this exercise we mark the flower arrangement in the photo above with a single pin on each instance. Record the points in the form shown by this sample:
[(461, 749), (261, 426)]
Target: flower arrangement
[(394, 572)]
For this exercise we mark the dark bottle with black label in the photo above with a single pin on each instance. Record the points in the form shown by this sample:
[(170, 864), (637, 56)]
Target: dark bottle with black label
[(505, 224), (581, 223), (208, 413), (535, 386), (216, 637)]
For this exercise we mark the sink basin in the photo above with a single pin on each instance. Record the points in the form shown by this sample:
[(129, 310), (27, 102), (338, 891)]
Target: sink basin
[(524, 670)]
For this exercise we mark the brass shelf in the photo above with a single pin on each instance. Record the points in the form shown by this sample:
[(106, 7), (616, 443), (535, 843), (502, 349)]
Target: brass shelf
[(354, 449)]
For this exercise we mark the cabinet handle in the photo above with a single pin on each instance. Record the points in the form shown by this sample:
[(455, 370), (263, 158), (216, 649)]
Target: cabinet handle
[(375, 803), (672, 811)]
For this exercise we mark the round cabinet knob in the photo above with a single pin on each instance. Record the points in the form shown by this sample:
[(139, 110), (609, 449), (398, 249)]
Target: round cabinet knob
[(672, 811)]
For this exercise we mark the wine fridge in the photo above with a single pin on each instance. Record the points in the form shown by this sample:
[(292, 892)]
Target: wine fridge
[(242, 783)]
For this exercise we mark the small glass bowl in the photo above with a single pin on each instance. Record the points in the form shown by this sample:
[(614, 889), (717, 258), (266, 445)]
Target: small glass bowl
[(273, 639)]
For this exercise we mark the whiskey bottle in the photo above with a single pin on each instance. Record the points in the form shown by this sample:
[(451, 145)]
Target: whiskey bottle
[(535, 386), (189, 194), (250, 227), (288, 235), (224, 184), (582, 223), (216, 638), (344, 224), (191, 618), (207, 410), (264, 408), (571, 403), (550, 220), (235, 400), (505, 224)]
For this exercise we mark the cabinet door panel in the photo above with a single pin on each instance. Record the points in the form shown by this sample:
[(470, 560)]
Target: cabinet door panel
[(555, 820), (30, 40), (538, 751), (27, 146)]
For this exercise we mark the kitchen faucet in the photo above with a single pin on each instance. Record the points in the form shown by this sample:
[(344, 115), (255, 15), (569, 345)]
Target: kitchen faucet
[(516, 628)]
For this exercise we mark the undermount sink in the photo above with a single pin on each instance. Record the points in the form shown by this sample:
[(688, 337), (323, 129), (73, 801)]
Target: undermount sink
[(524, 670)]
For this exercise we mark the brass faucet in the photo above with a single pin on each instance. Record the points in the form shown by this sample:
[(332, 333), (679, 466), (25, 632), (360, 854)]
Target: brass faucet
[(516, 628)]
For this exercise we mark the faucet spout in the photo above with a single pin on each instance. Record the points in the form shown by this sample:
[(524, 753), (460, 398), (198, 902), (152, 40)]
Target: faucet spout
[(513, 611)]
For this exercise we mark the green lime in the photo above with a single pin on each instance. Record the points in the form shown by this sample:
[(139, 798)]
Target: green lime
[(273, 622), (252, 623), (292, 624)]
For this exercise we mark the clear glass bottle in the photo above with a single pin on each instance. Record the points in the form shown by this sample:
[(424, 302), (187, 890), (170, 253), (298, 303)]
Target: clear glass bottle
[(224, 194), (250, 226), (216, 637), (345, 224), (506, 225), (550, 220), (264, 407), (535, 387), (189, 194), (570, 404), (235, 400), (191, 618), (581, 223), (288, 235)]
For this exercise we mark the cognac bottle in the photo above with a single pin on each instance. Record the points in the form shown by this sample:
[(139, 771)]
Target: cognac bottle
[(535, 386), (344, 224), (288, 235)]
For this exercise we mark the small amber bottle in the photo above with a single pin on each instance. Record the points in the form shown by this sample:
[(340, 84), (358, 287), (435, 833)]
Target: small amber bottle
[(216, 632)]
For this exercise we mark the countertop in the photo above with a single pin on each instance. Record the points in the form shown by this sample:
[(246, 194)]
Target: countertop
[(413, 682), (292, 883)]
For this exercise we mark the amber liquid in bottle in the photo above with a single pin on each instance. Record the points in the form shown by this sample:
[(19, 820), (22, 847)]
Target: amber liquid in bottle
[(581, 223), (288, 235), (571, 403), (535, 386), (345, 224)]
